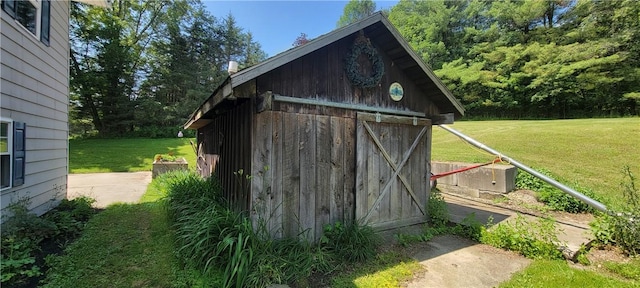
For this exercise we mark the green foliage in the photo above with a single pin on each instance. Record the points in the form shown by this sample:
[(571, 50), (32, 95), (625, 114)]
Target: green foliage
[(140, 68), (17, 260), (530, 58), (536, 240), (23, 232), (439, 224), (524, 180), (210, 235), (621, 228), (437, 209), (553, 197), (356, 10), (350, 242)]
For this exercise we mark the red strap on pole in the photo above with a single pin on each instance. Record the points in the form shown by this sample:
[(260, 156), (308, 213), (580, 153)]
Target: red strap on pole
[(436, 176)]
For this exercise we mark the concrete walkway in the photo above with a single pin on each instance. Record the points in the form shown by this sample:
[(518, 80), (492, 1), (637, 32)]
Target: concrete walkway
[(109, 188)]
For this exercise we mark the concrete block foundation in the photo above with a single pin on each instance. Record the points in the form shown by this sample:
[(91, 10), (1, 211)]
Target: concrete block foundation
[(487, 182)]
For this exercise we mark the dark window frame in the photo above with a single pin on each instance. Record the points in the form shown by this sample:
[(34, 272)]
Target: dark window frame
[(42, 26)]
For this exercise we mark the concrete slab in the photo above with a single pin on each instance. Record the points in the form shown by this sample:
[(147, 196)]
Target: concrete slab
[(109, 188), (452, 261)]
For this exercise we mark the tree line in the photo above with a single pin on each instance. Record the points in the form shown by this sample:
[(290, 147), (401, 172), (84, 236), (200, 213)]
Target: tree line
[(141, 67), (530, 58)]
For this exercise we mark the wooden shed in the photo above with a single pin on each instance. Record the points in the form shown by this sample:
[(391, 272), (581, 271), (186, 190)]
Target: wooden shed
[(338, 129)]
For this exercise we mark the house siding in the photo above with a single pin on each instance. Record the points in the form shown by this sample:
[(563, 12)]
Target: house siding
[(35, 90)]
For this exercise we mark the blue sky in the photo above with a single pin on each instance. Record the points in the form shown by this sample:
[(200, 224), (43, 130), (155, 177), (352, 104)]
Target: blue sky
[(277, 24)]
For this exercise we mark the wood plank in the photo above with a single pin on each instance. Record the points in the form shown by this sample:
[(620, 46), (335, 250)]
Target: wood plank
[(373, 181), (337, 172), (387, 140), (260, 177), (394, 119), (397, 145), (414, 176), (361, 195), (291, 175), (308, 166), (324, 190), (277, 172), (349, 209), (427, 157)]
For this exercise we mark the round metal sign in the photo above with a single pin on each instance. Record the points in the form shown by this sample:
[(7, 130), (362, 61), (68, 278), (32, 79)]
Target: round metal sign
[(395, 91)]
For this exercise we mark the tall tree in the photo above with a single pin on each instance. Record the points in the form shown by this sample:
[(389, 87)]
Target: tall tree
[(107, 49), (356, 10)]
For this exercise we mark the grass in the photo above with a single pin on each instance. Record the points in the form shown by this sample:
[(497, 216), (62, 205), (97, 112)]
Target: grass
[(125, 154), (589, 151), (123, 246), (557, 273), (126, 245), (388, 269)]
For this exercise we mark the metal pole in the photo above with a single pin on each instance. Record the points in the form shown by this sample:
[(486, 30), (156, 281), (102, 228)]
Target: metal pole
[(593, 203)]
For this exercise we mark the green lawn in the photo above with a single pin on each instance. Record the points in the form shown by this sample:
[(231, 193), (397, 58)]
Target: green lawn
[(589, 151), (124, 155), (547, 273)]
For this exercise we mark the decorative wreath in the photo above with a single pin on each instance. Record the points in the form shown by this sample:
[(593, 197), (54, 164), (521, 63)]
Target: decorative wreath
[(363, 45)]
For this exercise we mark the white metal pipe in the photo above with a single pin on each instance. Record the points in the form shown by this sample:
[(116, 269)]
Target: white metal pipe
[(591, 202)]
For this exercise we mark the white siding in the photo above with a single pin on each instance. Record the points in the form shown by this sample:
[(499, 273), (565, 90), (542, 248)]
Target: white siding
[(35, 90)]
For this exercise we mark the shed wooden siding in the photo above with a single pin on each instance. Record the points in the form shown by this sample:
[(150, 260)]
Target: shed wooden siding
[(229, 136), (309, 180), (321, 75), (35, 90)]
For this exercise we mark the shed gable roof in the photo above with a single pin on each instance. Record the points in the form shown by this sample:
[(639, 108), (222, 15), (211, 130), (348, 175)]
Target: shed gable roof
[(378, 28)]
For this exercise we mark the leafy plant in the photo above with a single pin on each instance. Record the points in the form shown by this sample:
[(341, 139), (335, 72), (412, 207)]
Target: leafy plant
[(536, 240), (622, 228), (351, 242), (169, 157), (22, 233), (437, 209), (524, 180), (553, 197)]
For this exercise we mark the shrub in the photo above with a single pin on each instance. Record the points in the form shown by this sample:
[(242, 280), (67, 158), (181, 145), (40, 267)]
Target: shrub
[(553, 197), (23, 232), (437, 209), (622, 228), (351, 242), (532, 240)]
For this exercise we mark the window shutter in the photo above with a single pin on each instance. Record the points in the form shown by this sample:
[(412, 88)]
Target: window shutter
[(9, 7), (18, 153), (44, 21)]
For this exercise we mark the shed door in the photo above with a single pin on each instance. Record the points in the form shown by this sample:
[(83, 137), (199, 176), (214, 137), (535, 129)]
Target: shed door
[(392, 170)]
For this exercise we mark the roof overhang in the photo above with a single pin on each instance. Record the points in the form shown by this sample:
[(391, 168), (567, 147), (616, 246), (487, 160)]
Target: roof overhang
[(378, 26), (100, 3)]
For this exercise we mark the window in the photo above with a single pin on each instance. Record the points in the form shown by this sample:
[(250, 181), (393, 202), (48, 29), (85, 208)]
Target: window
[(33, 15), (12, 154), (5, 154)]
